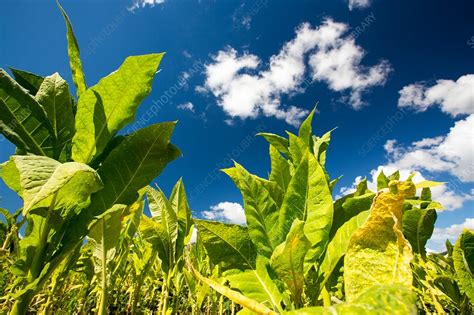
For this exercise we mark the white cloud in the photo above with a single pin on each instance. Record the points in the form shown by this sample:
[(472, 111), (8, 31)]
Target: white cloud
[(193, 238), (454, 97), (359, 4), (187, 106), (230, 212), (450, 199), (322, 54), (453, 153), (440, 235), (143, 3)]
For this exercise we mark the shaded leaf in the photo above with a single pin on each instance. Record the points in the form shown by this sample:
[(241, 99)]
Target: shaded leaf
[(418, 226), (463, 257), (288, 259), (54, 96), (28, 80), (227, 245), (22, 119)]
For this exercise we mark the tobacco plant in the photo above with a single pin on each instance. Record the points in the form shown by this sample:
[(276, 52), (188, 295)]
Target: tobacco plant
[(72, 170), (303, 253)]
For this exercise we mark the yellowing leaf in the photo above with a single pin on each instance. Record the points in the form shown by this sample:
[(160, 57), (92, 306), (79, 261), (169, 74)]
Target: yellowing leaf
[(428, 184), (378, 253)]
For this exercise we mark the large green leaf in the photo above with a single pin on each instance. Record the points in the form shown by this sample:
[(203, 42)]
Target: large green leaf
[(309, 198), (74, 55), (320, 146), (28, 80), (297, 148), (258, 285), (166, 227), (41, 177), (378, 300), (260, 209), (280, 173), (129, 167), (278, 142), (249, 304), (351, 205), (54, 96), (378, 253), (104, 235), (340, 241), (156, 234), (228, 245), (418, 226), (133, 164), (306, 131), (180, 206), (463, 257), (288, 259), (107, 107), (22, 119)]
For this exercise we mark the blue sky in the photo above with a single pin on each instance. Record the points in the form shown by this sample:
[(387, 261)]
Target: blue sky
[(395, 77)]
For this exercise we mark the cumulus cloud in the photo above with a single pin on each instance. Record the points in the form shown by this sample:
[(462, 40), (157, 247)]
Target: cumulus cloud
[(440, 235), (143, 3), (447, 195), (246, 89), (453, 153), (187, 106), (230, 212), (454, 97), (359, 4), (193, 238)]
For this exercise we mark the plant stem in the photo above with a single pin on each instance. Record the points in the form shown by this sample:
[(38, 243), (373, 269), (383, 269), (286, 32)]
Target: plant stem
[(102, 309), (21, 304), (165, 298), (326, 297)]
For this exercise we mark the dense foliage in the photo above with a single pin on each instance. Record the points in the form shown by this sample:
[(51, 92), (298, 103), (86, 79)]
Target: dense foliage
[(82, 242)]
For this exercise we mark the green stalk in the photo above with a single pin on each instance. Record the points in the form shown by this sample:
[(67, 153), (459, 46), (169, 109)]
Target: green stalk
[(102, 307), (165, 298), (221, 305), (326, 297), (21, 304)]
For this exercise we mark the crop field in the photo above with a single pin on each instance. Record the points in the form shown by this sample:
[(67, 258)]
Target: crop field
[(82, 242)]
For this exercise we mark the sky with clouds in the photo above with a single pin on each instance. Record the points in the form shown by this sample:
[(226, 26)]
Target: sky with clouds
[(395, 77)]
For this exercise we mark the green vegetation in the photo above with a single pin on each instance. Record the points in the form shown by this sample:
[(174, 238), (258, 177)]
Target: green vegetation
[(82, 243)]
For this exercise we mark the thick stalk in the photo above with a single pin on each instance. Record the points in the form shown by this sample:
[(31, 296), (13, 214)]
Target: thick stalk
[(102, 308), (21, 304), (39, 252), (326, 297), (165, 298)]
